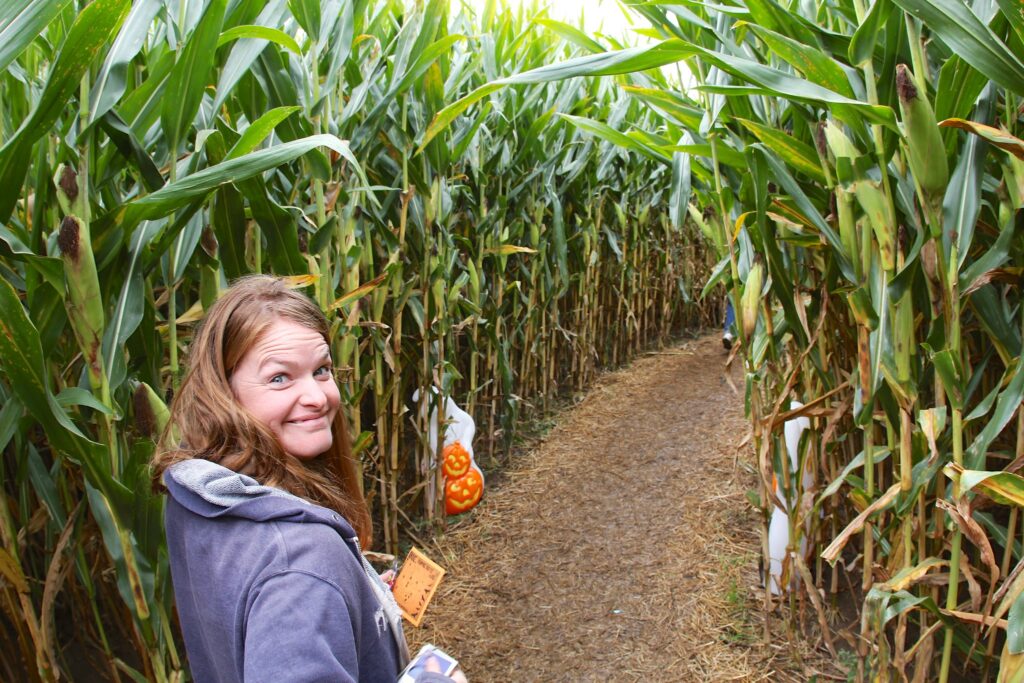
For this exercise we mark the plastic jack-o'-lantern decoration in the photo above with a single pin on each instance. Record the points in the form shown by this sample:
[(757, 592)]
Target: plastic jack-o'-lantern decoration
[(464, 482), (456, 460), (463, 493)]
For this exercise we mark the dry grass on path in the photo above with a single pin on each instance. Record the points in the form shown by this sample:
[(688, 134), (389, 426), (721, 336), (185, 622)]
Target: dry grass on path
[(622, 548)]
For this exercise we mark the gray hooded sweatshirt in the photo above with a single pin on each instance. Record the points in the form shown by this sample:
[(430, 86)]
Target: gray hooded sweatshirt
[(270, 587)]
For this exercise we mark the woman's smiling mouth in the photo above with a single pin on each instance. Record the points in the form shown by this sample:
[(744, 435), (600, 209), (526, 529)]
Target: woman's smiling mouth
[(308, 420)]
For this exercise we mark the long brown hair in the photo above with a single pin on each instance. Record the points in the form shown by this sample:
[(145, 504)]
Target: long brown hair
[(214, 426)]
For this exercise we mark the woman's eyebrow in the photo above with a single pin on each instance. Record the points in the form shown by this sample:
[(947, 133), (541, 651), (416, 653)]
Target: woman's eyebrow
[(272, 359)]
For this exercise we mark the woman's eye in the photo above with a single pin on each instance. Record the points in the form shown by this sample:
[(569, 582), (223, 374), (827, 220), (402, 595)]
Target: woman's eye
[(277, 379)]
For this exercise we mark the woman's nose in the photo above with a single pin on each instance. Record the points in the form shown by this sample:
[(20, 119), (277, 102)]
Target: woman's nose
[(313, 393)]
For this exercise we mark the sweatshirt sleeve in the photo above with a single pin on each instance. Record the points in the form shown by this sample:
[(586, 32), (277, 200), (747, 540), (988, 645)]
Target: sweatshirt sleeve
[(299, 629)]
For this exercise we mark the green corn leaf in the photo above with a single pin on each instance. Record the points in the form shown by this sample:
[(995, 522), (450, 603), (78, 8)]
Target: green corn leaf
[(994, 257), (128, 312), (958, 89), (785, 85), (878, 456), (10, 413), (951, 375), (341, 38), (606, 132), (558, 237), (603, 64), (128, 145), (190, 75), (1015, 628), (245, 51), (429, 26), (259, 129), (266, 33), (175, 195), (658, 16), (681, 111), (993, 314), (135, 580), (278, 83), (21, 357), (970, 39), (88, 34), (799, 155), (415, 73), (20, 22), (278, 225), (862, 45), (726, 155), (863, 309), (815, 65), (468, 134), (110, 82), (227, 218), (307, 14), (982, 408), (45, 487), (787, 181), (962, 202), (773, 16), (77, 396), (50, 268), (570, 34), (1005, 410), (906, 601), (682, 184), (1012, 11), (141, 107)]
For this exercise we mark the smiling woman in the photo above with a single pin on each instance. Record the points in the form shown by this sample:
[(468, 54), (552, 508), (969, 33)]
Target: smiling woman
[(234, 405), (264, 513)]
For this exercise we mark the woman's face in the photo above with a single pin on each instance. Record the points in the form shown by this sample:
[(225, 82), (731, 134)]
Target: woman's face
[(286, 381)]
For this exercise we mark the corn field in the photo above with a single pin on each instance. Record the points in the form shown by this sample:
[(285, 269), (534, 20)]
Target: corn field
[(861, 174), (151, 152), (498, 204)]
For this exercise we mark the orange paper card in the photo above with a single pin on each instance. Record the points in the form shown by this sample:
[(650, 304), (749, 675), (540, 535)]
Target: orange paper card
[(419, 578)]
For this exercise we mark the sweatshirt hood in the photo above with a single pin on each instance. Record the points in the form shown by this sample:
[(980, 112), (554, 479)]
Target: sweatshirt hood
[(212, 490), (219, 485)]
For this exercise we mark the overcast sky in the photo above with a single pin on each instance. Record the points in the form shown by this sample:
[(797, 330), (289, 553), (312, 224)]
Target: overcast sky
[(598, 15), (604, 16)]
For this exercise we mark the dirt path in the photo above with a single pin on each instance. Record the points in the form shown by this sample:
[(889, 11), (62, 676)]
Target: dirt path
[(622, 548)]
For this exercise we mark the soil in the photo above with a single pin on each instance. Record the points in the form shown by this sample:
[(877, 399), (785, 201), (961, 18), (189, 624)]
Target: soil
[(622, 546)]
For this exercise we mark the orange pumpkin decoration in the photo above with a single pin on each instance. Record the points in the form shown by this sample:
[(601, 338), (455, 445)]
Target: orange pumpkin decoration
[(456, 460), (463, 493)]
